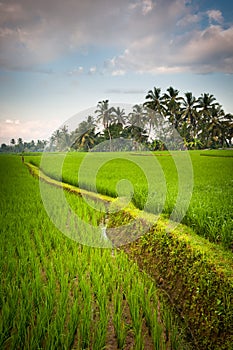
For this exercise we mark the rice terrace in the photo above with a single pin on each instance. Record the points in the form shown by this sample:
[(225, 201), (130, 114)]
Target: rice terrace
[(118, 233)]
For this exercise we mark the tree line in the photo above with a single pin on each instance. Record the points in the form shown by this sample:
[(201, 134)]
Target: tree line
[(200, 123), (19, 146)]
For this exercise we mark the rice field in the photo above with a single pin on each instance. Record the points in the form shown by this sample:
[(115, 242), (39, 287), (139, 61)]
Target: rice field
[(206, 203), (58, 294)]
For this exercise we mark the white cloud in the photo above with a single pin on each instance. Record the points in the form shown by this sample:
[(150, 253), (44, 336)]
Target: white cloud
[(92, 70), (76, 71), (27, 130), (118, 72), (33, 33), (10, 121), (160, 36), (189, 19), (125, 91), (215, 15), (198, 51), (147, 6)]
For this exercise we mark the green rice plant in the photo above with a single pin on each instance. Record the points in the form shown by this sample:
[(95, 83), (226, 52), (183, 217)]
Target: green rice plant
[(119, 324), (209, 212), (157, 333), (84, 327), (100, 333), (56, 293), (136, 315)]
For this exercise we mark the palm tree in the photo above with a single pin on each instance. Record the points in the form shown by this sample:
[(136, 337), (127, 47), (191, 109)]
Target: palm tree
[(85, 141), (137, 117), (218, 126), (13, 144), (206, 104), (104, 114), (55, 140), (156, 101), (119, 115), (227, 129), (83, 127), (137, 122), (189, 112), (173, 106), (152, 118), (65, 139), (20, 145)]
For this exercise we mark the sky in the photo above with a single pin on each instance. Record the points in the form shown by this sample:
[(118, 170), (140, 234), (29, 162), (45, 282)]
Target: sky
[(60, 57)]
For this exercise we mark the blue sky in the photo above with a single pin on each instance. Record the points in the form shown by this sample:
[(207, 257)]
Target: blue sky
[(58, 58)]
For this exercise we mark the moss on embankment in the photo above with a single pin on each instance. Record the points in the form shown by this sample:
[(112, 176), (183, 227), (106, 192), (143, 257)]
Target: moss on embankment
[(195, 274)]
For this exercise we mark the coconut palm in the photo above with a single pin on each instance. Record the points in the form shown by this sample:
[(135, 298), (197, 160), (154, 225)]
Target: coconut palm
[(65, 141), (153, 119), (118, 115), (217, 126), (85, 141), (189, 112), (205, 104), (20, 145), (105, 115), (137, 117), (227, 129), (155, 101), (83, 127), (173, 102)]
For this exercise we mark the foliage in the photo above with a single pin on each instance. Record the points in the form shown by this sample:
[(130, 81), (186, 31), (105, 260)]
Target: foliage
[(210, 209), (58, 294), (201, 122), (197, 276)]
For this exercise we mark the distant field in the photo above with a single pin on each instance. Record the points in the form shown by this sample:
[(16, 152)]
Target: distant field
[(218, 153), (211, 205)]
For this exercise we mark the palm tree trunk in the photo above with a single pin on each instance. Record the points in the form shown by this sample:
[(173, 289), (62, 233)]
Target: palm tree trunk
[(110, 140)]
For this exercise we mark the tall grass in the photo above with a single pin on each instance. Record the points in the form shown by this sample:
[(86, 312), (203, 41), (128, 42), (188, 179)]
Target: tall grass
[(58, 294), (211, 206)]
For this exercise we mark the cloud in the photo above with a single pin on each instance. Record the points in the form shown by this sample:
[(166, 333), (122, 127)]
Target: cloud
[(125, 91), (34, 33), (196, 50), (143, 6), (27, 130), (118, 72), (76, 71), (215, 16), (92, 70), (207, 51), (151, 36), (147, 6), (189, 19)]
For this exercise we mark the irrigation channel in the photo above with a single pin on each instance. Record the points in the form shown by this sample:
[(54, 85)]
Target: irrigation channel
[(164, 290)]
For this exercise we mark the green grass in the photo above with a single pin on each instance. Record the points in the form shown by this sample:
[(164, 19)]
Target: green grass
[(218, 153), (211, 205), (58, 294)]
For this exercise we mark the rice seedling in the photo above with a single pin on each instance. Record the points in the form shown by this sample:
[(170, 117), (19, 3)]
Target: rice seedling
[(56, 293), (210, 209)]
